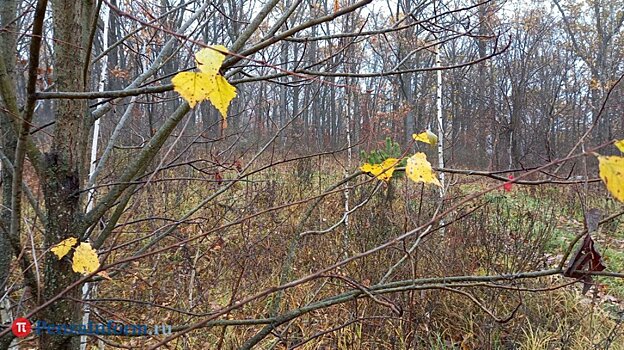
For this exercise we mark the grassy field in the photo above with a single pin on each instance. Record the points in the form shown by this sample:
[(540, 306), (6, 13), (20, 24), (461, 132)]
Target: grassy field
[(501, 232)]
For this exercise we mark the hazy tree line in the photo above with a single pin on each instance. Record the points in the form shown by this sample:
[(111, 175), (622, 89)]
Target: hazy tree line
[(552, 65), (523, 106)]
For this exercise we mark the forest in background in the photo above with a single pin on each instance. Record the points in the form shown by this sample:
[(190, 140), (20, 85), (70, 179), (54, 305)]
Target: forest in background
[(260, 230), (522, 81)]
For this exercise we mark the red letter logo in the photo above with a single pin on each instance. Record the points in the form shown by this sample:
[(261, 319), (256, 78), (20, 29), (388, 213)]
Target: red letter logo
[(21, 327)]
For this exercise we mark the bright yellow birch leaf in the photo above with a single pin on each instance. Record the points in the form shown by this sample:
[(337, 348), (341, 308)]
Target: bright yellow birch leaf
[(366, 167), (193, 87), (85, 259), (387, 169), (222, 94), (61, 249), (209, 61), (207, 84), (620, 145), (419, 169), (426, 137), (381, 171), (612, 174), (373, 169)]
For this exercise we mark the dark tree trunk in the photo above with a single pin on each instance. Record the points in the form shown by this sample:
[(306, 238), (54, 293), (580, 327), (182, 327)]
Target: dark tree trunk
[(64, 165), (8, 143)]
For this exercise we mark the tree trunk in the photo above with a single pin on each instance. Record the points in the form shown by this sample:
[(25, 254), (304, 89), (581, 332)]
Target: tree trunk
[(64, 164), (8, 143)]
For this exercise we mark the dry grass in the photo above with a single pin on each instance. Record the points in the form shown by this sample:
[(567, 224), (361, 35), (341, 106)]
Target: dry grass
[(499, 233)]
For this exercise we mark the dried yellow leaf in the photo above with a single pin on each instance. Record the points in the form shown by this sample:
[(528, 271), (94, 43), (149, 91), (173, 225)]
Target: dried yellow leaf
[(612, 174), (207, 84), (381, 171), (366, 167), (222, 94), (419, 169), (426, 137), (620, 145), (61, 249), (85, 259), (209, 61), (193, 87)]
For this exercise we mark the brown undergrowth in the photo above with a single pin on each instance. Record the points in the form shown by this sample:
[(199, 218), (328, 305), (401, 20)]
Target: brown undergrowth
[(243, 246)]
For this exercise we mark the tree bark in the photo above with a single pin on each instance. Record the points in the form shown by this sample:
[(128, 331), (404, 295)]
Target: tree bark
[(8, 143), (64, 164)]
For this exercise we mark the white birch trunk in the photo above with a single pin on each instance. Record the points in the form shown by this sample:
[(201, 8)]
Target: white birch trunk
[(440, 121), (346, 173), (87, 289)]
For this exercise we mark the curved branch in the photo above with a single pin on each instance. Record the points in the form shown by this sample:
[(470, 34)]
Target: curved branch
[(23, 131)]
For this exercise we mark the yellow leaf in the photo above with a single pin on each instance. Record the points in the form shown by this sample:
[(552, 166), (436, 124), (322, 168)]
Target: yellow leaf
[(620, 145), (221, 95), (85, 259), (390, 163), (209, 61), (61, 249), (208, 84), (381, 171), (419, 169), (366, 167), (426, 137), (612, 174), (193, 87)]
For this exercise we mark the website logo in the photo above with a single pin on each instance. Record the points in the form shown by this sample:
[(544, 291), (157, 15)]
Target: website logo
[(108, 328), (21, 327)]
